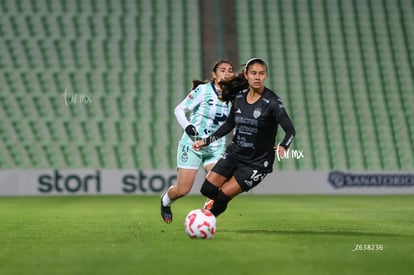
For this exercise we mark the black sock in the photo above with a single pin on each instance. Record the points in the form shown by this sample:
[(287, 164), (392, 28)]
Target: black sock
[(220, 204), (209, 190)]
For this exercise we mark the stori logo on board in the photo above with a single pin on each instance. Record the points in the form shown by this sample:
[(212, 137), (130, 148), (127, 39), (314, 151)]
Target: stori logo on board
[(71, 183), (142, 182), (95, 182)]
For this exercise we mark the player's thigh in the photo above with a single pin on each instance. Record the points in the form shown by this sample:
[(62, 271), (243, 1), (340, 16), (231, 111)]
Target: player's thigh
[(209, 167), (225, 166), (216, 179), (222, 171), (231, 188)]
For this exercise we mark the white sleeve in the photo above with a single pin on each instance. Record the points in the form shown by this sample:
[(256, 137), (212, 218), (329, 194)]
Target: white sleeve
[(180, 112), (192, 100)]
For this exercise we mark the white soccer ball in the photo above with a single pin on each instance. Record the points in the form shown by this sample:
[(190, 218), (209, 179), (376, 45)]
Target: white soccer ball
[(200, 224)]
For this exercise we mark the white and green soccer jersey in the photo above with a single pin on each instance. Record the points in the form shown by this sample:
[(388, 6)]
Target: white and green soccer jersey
[(208, 113)]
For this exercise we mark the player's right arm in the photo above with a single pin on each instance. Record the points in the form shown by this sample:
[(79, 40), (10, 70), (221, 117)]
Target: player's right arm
[(192, 100)]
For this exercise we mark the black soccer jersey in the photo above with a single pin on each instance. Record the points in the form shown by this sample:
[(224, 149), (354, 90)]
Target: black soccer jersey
[(256, 128)]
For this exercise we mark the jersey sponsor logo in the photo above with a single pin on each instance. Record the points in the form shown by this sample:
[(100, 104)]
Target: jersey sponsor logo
[(257, 112), (210, 102), (243, 129), (219, 118), (247, 121)]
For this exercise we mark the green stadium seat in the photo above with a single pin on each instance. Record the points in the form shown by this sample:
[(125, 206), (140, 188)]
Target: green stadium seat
[(136, 59), (356, 69), (15, 155)]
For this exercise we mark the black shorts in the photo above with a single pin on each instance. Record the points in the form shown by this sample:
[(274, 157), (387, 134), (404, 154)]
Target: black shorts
[(246, 176)]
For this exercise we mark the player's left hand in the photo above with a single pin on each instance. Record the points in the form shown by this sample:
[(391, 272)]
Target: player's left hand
[(280, 150)]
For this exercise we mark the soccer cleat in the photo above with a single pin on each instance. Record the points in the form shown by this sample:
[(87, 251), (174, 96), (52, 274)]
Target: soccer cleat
[(208, 204), (166, 213)]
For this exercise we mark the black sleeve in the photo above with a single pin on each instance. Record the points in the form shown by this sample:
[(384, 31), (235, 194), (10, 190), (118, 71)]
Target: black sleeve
[(284, 121), (290, 132), (224, 129)]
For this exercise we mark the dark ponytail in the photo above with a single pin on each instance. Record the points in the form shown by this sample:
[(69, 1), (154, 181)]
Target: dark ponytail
[(230, 88), (196, 82)]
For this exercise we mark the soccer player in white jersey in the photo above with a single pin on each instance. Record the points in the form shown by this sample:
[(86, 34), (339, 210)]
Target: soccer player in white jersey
[(207, 113)]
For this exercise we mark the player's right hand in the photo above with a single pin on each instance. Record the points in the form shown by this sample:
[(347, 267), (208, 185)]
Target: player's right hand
[(197, 145), (191, 130)]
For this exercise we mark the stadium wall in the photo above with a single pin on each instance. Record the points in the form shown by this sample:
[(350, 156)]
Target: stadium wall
[(151, 182), (218, 33)]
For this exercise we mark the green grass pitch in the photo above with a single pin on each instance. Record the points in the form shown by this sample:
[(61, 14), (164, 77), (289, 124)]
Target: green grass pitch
[(256, 235)]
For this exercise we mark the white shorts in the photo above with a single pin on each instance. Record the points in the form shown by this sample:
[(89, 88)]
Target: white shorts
[(188, 158)]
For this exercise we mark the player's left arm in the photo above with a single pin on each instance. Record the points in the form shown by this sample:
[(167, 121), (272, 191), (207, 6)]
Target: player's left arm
[(223, 130), (285, 122)]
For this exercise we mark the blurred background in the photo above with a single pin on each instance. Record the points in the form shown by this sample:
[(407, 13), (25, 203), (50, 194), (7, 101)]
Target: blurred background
[(93, 84)]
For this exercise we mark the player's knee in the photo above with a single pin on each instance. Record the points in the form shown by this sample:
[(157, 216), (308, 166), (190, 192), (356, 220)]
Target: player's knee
[(209, 190), (220, 203)]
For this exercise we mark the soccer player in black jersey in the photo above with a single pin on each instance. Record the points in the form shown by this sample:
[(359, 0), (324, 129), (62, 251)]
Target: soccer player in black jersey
[(255, 115)]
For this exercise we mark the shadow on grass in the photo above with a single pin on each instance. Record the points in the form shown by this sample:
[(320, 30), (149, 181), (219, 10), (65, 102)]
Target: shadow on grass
[(312, 232)]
